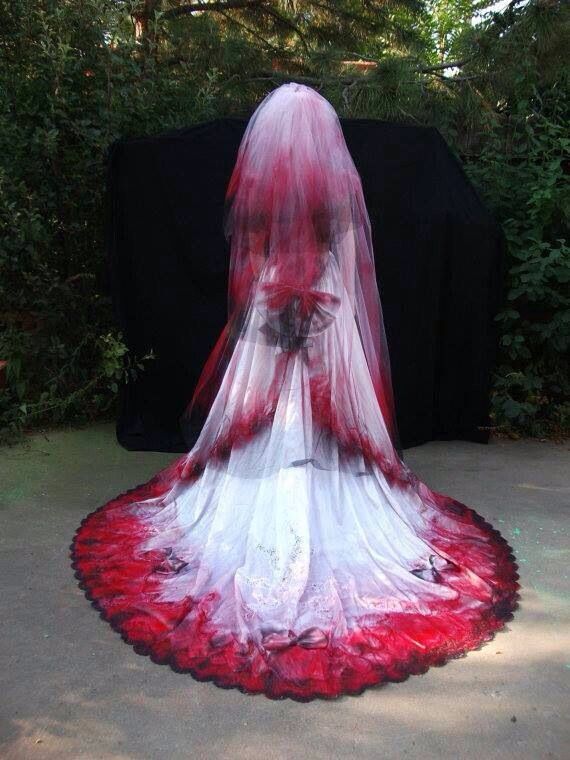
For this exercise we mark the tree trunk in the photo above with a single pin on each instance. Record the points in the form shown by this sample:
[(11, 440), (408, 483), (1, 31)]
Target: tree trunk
[(145, 30)]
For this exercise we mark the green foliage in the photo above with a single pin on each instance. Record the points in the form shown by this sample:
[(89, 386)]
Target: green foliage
[(523, 170), (71, 82), (520, 162), (74, 77)]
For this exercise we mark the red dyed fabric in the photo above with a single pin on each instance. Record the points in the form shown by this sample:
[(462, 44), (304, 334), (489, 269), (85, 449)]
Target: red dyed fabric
[(292, 552), (125, 588)]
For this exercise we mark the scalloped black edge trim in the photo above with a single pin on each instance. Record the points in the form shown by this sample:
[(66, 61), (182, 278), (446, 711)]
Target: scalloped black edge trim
[(511, 603)]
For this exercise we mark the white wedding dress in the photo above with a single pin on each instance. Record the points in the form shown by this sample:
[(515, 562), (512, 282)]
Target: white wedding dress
[(292, 543), (291, 552)]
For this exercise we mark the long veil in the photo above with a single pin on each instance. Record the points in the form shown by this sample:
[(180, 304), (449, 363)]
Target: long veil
[(294, 198)]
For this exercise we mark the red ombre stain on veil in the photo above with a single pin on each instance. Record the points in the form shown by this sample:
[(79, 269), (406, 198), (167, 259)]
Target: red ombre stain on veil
[(294, 195)]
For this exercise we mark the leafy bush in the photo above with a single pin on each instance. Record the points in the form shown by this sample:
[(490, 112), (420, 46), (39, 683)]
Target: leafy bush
[(522, 168), (524, 174)]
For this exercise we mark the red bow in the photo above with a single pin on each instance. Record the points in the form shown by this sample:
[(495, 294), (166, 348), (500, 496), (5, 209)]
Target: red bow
[(311, 638), (280, 294)]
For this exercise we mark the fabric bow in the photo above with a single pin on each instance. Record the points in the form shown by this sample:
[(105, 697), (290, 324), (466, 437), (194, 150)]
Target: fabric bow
[(311, 638), (280, 294)]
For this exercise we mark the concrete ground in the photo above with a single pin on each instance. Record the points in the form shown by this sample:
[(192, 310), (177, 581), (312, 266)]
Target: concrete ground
[(70, 688)]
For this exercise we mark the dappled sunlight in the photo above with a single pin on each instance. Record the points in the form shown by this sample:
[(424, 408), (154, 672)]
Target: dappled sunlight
[(513, 675)]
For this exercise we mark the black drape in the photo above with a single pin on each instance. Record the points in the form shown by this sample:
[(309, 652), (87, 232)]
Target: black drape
[(439, 258)]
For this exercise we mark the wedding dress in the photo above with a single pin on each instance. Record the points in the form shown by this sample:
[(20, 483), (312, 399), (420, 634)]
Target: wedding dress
[(291, 552)]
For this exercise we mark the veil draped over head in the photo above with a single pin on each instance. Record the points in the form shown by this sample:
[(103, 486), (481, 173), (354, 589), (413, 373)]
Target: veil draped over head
[(294, 198)]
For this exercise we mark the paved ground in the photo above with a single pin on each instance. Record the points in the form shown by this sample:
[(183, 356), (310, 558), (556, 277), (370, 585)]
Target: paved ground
[(69, 688)]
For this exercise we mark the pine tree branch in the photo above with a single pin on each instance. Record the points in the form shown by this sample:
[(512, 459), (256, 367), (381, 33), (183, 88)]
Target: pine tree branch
[(448, 65), (279, 77), (423, 69), (219, 6), (286, 22), (338, 12), (250, 31), (453, 80)]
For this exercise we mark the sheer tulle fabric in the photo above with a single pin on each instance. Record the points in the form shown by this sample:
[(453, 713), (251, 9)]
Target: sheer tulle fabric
[(291, 552), (294, 196)]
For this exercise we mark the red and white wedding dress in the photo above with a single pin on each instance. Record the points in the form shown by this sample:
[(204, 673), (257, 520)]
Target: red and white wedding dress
[(291, 552)]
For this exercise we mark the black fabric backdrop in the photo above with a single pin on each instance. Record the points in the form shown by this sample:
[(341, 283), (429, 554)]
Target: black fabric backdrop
[(439, 259)]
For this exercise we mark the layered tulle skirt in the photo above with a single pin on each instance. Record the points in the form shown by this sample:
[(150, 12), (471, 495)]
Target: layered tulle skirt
[(291, 552)]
